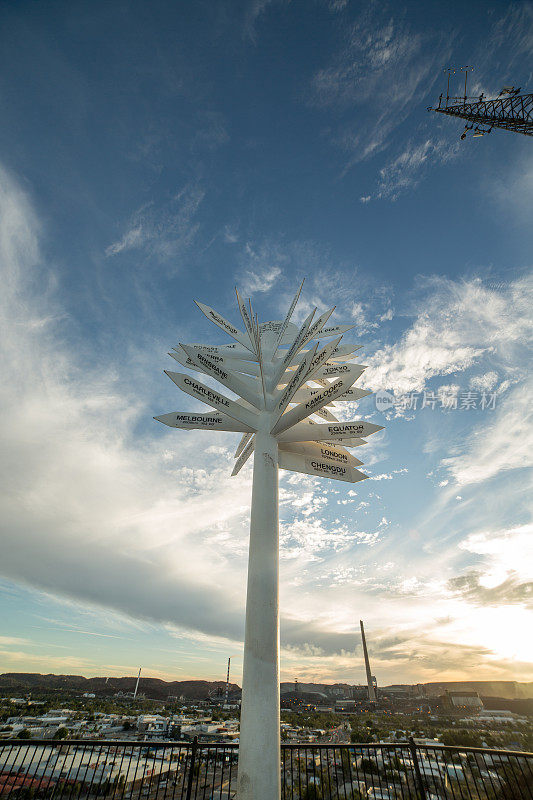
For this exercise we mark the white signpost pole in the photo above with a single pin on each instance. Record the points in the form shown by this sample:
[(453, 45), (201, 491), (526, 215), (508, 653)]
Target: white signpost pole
[(259, 748), (273, 411)]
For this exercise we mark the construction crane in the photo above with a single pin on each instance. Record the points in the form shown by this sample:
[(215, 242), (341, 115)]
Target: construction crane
[(512, 110)]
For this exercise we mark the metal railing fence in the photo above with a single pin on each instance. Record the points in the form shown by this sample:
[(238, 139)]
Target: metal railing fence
[(115, 770)]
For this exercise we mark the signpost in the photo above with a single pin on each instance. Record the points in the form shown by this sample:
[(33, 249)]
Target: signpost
[(282, 377)]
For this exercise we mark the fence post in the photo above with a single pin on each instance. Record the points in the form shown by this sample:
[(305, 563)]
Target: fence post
[(191, 768), (418, 775)]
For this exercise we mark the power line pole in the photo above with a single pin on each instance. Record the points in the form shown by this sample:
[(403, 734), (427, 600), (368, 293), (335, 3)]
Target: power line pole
[(510, 111)]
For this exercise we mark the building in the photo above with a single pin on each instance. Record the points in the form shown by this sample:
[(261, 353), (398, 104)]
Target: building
[(458, 700)]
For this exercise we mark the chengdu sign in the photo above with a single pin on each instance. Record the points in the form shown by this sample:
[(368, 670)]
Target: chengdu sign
[(287, 382)]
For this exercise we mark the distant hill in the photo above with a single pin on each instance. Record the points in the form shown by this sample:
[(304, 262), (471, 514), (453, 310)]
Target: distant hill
[(159, 690), (151, 687)]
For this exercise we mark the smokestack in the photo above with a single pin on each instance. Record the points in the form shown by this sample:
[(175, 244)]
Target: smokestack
[(137, 684), (226, 695), (371, 690)]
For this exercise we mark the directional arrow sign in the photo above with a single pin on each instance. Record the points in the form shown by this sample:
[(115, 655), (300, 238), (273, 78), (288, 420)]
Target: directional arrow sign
[(283, 397), (344, 350), (275, 327), (321, 358), (213, 398), (317, 326), (334, 330), (242, 444), (319, 467), (234, 350), (326, 414), (189, 421), (248, 324), (243, 458), (352, 442), (340, 351), (322, 451), (285, 323), (354, 394), (336, 370), (305, 393), (239, 385), (332, 431), (225, 325), (234, 364), (323, 397), (293, 349)]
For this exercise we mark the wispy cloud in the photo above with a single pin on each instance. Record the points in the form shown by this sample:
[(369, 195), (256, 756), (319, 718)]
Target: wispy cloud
[(254, 10), (456, 324), (253, 282), (364, 73), (406, 170), (163, 232)]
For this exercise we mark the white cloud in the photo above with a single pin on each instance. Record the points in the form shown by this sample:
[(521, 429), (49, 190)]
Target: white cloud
[(406, 170), (133, 238), (105, 517), (503, 442), (364, 71), (261, 280), (254, 10), (165, 232), (456, 324), (485, 382)]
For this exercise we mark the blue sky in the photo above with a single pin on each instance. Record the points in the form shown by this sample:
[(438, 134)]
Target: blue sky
[(152, 154)]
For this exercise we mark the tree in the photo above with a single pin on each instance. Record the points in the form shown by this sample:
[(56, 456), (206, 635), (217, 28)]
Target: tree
[(360, 737), (61, 733), (461, 738), (311, 792), (367, 765), (24, 734)]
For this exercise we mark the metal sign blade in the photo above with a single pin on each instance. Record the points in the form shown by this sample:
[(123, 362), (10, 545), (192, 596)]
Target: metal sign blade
[(233, 350), (274, 327), (334, 330), (353, 394), (294, 348), (319, 467), (345, 350), (334, 431), (242, 444), (225, 325), (189, 421), (286, 321), (332, 453), (233, 364), (248, 324), (317, 326), (321, 358), (337, 370), (325, 413), (322, 398), (213, 398), (284, 396), (243, 458), (240, 385)]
